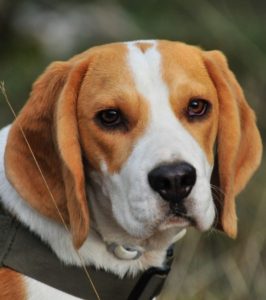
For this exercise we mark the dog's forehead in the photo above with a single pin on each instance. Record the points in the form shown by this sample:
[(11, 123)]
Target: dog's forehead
[(179, 65)]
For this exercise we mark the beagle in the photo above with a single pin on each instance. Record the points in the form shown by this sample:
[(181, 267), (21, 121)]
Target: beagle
[(131, 138)]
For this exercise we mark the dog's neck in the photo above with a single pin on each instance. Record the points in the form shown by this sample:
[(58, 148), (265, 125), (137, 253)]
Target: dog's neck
[(95, 249)]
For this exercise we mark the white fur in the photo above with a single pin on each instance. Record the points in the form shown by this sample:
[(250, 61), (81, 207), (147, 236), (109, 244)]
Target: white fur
[(135, 206), (36, 290)]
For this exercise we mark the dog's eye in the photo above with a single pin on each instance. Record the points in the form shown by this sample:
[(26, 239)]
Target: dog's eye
[(197, 108), (110, 118)]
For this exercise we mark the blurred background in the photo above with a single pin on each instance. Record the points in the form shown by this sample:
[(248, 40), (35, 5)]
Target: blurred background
[(35, 32)]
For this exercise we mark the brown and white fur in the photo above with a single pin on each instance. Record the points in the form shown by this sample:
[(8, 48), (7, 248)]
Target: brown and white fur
[(98, 176)]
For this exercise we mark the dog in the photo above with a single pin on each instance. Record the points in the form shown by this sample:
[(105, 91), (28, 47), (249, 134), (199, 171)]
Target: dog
[(131, 138)]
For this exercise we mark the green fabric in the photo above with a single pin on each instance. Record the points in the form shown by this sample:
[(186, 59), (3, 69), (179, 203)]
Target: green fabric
[(24, 252)]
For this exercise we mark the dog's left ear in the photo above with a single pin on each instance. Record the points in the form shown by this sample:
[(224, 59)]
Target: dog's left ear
[(69, 148), (239, 146), (49, 121)]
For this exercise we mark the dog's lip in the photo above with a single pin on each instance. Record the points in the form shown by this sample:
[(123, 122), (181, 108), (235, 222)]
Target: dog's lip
[(176, 221)]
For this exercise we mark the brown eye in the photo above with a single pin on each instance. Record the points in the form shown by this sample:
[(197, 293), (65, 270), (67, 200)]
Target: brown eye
[(110, 119), (197, 108)]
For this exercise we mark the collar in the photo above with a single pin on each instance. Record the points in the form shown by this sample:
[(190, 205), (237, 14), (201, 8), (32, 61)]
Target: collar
[(128, 252), (24, 252)]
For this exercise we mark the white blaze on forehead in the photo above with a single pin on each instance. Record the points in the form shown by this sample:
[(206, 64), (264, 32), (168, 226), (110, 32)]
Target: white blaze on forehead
[(146, 70)]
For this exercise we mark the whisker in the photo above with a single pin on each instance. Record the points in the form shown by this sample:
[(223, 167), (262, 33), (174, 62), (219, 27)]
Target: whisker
[(217, 189), (216, 216)]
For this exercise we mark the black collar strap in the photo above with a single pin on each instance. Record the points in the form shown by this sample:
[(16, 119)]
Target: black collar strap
[(24, 252)]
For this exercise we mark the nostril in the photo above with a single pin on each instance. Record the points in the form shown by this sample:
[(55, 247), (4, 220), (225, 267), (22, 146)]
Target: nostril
[(159, 183), (164, 184), (188, 180), (164, 187)]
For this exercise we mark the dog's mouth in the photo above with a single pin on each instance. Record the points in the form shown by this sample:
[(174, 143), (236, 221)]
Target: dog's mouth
[(177, 219)]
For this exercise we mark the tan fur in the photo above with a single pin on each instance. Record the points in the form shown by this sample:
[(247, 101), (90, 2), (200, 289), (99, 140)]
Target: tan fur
[(57, 151), (58, 120), (11, 285), (110, 85), (206, 75), (187, 79), (239, 142)]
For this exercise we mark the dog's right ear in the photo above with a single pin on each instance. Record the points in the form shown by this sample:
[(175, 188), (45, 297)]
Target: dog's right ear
[(49, 122), (239, 146)]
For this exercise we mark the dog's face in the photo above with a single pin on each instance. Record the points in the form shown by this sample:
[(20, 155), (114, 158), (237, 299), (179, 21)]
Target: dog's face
[(148, 128), (145, 116)]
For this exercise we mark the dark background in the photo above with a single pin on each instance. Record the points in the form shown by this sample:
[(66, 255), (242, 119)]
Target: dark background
[(34, 33)]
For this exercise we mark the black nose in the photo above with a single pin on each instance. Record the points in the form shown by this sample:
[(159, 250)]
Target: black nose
[(173, 182)]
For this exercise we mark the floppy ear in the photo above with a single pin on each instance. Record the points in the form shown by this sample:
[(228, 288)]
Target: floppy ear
[(239, 145), (50, 125)]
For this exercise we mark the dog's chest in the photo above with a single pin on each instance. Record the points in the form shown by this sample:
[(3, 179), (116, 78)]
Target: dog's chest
[(41, 291)]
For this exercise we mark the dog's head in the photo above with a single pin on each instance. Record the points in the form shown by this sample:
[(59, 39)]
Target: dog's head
[(145, 125)]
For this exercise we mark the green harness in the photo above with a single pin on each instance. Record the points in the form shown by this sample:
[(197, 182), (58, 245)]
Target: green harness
[(24, 252)]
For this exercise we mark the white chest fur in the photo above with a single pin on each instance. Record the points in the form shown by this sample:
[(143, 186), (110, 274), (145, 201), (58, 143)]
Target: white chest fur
[(40, 291)]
